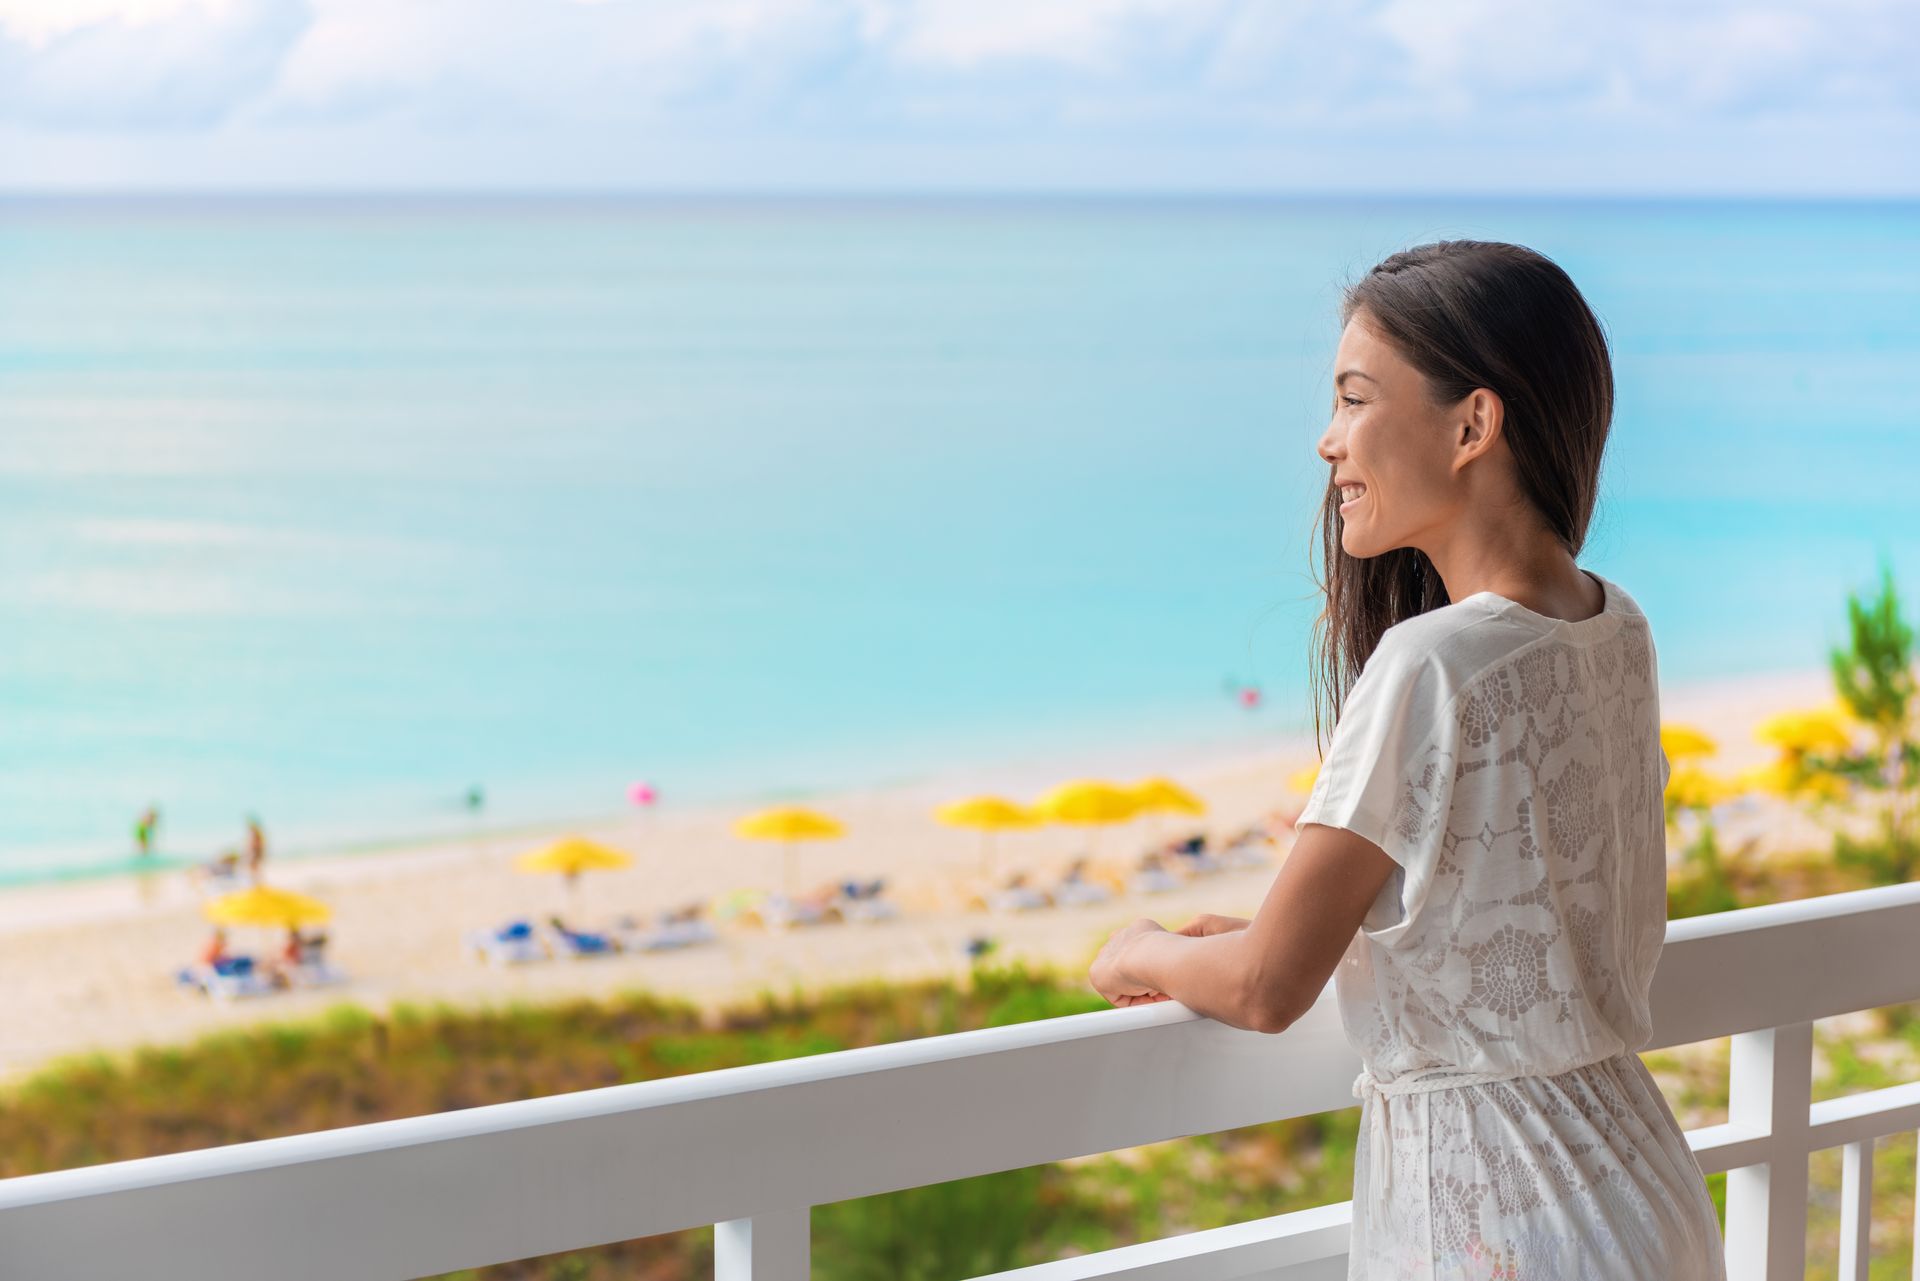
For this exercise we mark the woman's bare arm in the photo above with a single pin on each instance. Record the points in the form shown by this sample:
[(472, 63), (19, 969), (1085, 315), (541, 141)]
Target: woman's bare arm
[(1266, 975)]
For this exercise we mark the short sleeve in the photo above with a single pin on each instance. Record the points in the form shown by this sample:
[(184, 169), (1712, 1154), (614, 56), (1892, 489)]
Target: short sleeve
[(1388, 773)]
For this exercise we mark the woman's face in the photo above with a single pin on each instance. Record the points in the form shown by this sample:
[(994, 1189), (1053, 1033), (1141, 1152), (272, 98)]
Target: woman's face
[(1391, 448)]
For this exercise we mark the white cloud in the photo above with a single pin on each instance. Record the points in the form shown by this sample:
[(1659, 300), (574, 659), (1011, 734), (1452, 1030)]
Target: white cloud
[(36, 22), (144, 66), (535, 60), (1076, 75), (1689, 61), (1095, 35)]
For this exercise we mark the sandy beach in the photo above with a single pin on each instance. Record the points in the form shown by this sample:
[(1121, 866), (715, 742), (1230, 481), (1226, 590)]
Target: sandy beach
[(89, 966)]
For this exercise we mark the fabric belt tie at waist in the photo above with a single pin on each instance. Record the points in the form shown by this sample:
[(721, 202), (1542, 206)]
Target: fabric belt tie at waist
[(1375, 1093)]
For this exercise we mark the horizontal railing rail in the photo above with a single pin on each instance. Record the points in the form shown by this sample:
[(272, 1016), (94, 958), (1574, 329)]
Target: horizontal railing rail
[(751, 1149)]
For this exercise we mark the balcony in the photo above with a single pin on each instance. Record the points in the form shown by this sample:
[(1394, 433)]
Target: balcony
[(751, 1149)]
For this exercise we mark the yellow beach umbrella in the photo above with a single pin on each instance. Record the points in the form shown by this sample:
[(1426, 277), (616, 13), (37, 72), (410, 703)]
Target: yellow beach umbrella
[(1164, 796), (263, 905), (1088, 802), (1812, 729), (989, 814), (1302, 780), (789, 824), (1682, 741), (571, 856), (1156, 796)]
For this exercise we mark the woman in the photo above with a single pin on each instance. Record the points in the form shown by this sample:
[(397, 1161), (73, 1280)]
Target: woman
[(1481, 860)]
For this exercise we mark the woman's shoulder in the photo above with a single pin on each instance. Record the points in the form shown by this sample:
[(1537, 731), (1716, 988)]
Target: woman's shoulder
[(1457, 640)]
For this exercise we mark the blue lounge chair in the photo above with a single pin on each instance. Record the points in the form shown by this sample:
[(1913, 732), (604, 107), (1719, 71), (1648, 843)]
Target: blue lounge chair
[(580, 943), (232, 979), (515, 943)]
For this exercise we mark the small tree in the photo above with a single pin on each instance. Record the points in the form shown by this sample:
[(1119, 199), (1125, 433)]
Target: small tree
[(1876, 681)]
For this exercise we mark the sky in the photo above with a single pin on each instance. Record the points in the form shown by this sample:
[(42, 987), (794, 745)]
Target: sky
[(1465, 97)]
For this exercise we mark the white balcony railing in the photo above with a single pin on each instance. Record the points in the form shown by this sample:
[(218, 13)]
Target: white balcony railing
[(750, 1149)]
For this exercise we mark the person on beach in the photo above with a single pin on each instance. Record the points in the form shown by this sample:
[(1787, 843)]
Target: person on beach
[(213, 953), (145, 829), (256, 848), (217, 957), (1480, 864)]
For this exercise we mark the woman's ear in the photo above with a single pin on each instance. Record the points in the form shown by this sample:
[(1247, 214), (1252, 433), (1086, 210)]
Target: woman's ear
[(1481, 419)]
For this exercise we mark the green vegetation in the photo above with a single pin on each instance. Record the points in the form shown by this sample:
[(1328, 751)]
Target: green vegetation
[(1858, 756), (1875, 677)]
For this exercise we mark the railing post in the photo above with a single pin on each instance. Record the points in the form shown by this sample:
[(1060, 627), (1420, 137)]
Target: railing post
[(1771, 1090), (775, 1246), (1916, 1214), (1856, 1209)]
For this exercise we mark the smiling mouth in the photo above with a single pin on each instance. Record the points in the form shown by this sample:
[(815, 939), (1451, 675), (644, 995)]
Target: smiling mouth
[(1351, 494)]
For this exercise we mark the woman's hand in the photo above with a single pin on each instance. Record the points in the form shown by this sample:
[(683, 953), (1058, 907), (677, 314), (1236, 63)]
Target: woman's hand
[(1207, 923), (1108, 972)]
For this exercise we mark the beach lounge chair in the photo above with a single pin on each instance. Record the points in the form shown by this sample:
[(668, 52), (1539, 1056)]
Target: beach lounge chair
[(1152, 875), (515, 943), (1202, 863), (864, 901), (1081, 885), (580, 944), (1070, 893), (315, 973), (870, 910), (663, 933), (1017, 895), (1194, 858), (1249, 849), (1153, 880), (780, 911), (1018, 898), (231, 980)]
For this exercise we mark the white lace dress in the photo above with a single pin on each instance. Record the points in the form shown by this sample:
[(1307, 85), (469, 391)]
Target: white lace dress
[(1510, 765)]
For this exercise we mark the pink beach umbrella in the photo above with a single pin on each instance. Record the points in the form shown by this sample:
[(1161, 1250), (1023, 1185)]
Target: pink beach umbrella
[(642, 793)]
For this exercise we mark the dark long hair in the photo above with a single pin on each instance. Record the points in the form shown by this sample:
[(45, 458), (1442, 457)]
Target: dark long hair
[(1467, 314)]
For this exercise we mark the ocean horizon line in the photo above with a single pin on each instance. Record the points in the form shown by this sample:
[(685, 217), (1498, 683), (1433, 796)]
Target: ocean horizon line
[(923, 196)]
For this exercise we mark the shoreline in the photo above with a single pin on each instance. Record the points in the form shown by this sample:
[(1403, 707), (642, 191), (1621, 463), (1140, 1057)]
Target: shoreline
[(1032, 773), (92, 962), (992, 762), (32, 904)]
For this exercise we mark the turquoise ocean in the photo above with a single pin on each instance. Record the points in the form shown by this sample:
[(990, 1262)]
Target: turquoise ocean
[(330, 509)]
